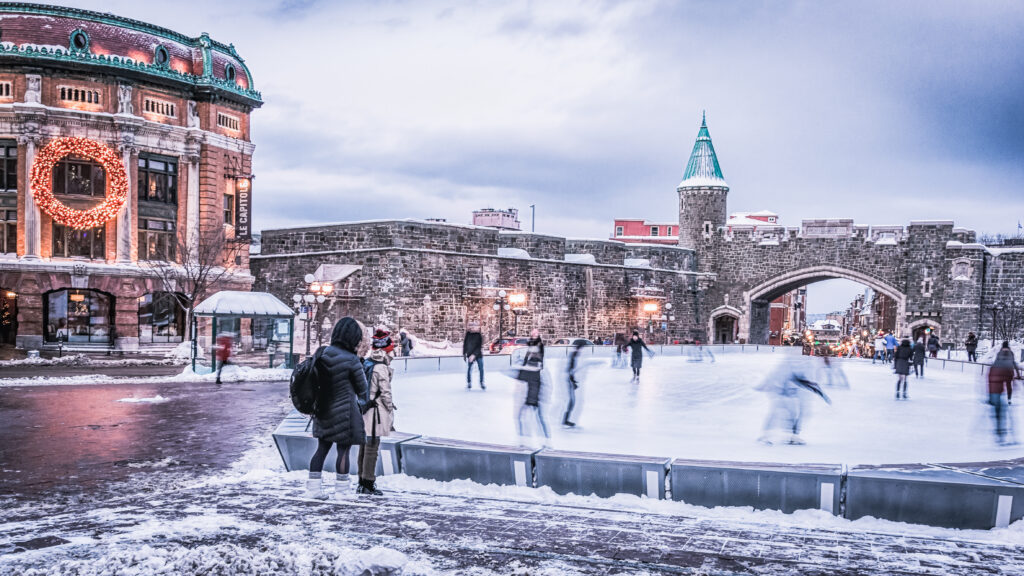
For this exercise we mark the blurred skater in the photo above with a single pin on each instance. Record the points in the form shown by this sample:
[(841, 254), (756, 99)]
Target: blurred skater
[(637, 346), (834, 375), (224, 344), (890, 347), (620, 347), (789, 386), (919, 350), (902, 357), (530, 373), (1000, 377), (572, 380), (971, 344), (933, 345), (473, 351), (405, 342), (879, 349)]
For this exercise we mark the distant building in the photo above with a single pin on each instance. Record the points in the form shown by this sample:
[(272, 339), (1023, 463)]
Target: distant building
[(500, 219), (755, 219), (637, 231), (787, 316)]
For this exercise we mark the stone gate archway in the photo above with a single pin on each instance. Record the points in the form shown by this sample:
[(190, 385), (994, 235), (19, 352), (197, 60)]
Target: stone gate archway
[(754, 319)]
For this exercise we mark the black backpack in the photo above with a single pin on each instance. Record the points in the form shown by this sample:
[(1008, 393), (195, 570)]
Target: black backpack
[(305, 384)]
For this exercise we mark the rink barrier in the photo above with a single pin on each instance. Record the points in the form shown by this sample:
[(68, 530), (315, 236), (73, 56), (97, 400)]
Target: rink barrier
[(296, 445), (604, 475), (945, 497), (445, 460), (767, 486)]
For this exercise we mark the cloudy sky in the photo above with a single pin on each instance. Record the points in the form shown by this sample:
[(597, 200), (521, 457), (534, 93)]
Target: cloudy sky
[(880, 111)]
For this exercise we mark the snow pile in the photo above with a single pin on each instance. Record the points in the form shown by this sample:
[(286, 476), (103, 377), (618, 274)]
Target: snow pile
[(183, 351), (231, 560), (421, 347), (636, 263), (73, 360), (581, 258), (514, 253), (155, 464), (158, 399), (231, 373)]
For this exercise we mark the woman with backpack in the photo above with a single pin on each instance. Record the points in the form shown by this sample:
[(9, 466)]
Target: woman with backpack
[(337, 420), (379, 418)]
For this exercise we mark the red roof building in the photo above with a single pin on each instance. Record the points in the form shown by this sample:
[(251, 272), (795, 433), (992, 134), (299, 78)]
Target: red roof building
[(637, 231)]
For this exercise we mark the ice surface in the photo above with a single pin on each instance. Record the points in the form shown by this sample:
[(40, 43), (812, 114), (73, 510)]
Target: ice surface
[(705, 410)]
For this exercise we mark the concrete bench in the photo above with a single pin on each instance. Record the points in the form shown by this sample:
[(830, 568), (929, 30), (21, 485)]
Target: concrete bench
[(933, 496), (444, 460), (296, 445), (784, 487), (604, 475)]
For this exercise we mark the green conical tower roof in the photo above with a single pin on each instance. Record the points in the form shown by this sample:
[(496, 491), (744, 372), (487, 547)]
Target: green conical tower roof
[(703, 169)]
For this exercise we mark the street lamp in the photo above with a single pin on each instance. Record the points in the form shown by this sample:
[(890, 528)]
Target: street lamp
[(651, 309), (312, 294), (501, 305), (668, 310), (518, 303)]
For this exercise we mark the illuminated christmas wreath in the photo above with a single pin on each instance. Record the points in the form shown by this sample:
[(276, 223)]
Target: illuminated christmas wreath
[(42, 182)]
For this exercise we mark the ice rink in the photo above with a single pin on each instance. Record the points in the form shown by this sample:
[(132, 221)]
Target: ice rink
[(711, 411)]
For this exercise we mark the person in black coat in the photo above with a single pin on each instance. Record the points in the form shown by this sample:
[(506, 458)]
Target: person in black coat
[(405, 342), (933, 345), (337, 419), (637, 346), (902, 357), (530, 373), (572, 373), (919, 350), (473, 351), (972, 347)]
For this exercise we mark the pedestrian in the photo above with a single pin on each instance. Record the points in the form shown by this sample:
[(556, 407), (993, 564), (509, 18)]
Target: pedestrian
[(337, 421), (637, 346), (933, 345), (902, 357), (473, 352), (971, 344), (919, 350), (620, 347), (890, 347), (379, 418), (834, 375), (225, 342), (879, 349), (405, 342), (530, 374), (572, 382), (1001, 374), (789, 385)]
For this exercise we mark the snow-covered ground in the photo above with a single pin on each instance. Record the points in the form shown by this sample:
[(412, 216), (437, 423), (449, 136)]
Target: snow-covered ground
[(706, 410), (231, 373)]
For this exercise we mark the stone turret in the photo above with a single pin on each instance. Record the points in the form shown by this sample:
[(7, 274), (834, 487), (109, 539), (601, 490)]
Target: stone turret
[(702, 194)]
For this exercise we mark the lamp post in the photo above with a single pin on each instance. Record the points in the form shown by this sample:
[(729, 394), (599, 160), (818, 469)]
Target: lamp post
[(501, 305), (312, 293), (668, 310)]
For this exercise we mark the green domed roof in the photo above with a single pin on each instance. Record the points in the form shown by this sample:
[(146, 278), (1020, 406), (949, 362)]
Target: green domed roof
[(703, 168)]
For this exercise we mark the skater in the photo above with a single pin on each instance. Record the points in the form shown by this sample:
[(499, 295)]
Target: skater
[(620, 347), (919, 349), (901, 361), (933, 345), (224, 344), (971, 344), (834, 375), (405, 342), (1000, 377), (789, 386), (378, 420), (337, 420), (637, 346), (879, 349), (473, 351), (572, 383), (890, 347), (530, 374)]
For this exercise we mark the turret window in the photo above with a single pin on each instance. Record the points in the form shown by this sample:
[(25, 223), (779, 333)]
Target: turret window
[(228, 121), (160, 107), (79, 94)]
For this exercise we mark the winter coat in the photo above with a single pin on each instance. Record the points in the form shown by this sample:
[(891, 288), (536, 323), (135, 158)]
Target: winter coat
[(224, 344), (971, 343), (902, 358), (620, 342), (472, 345), (933, 343), (1002, 372), (529, 372), (406, 344), (573, 367), (637, 348), (379, 419), (890, 341), (341, 379), (919, 353)]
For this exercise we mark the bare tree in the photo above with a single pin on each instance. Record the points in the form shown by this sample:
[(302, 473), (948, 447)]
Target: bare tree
[(203, 267), (1009, 322)]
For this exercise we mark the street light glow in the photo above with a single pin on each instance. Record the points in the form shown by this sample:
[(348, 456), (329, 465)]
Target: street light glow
[(517, 299), (650, 307)]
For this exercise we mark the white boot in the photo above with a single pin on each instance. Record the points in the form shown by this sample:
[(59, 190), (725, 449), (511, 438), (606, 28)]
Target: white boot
[(343, 487), (314, 489)]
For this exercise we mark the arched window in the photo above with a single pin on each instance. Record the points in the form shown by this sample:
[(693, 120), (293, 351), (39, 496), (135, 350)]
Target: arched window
[(79, 316), (161, 318)]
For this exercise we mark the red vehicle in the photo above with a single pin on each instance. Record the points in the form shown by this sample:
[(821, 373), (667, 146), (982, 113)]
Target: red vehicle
[(506, 344)]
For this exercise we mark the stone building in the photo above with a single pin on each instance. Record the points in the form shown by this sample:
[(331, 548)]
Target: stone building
[(119, 138), (721, 279)]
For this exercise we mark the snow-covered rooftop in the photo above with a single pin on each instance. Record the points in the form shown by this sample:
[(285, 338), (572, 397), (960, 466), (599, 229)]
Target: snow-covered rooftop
[(237, 303)]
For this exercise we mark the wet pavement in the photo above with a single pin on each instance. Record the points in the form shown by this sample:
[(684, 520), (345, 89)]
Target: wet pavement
[(90, 484)]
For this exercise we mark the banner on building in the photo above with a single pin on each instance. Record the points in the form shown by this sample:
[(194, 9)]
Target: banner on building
[(243, 213)]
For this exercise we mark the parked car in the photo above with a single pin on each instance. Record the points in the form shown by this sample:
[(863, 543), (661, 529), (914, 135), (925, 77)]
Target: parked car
[(571, 342), (507, 344)]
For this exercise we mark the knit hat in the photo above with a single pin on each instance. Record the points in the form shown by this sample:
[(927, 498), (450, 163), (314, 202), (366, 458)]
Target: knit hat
[(382, 340)]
